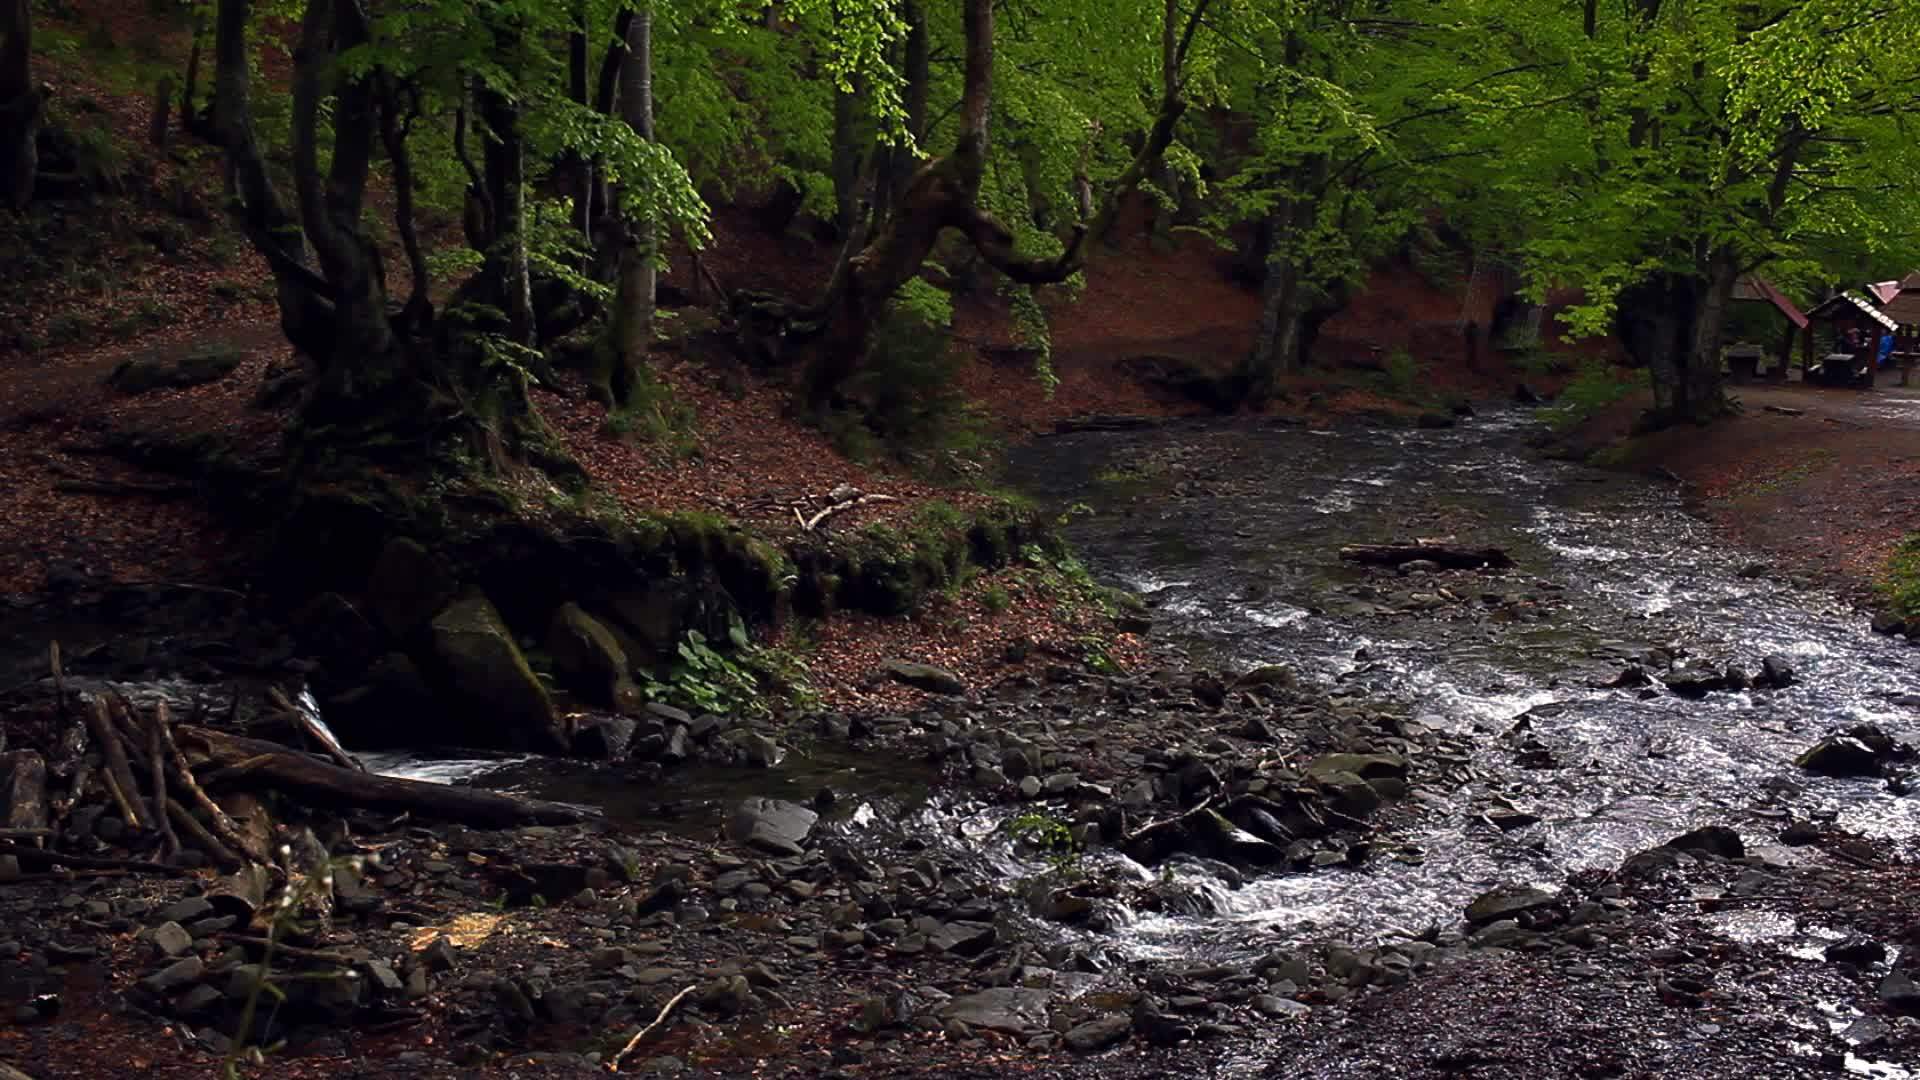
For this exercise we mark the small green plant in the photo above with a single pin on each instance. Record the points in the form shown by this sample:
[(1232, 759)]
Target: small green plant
[(996, 599), (1045, 834), (1900, 583), (1596, 386), (1403, 375), (704, 679)]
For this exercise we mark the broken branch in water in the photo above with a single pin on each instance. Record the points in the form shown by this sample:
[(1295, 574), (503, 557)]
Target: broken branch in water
[(1451, 556), (641, 1035)]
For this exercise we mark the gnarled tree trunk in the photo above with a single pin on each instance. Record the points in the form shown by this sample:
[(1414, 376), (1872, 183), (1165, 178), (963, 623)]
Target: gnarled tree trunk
[(944, 194), (22, 105)]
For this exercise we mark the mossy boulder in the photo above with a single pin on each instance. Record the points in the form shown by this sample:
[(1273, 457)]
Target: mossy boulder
[(408, 586), (486, 672), (587, 656)]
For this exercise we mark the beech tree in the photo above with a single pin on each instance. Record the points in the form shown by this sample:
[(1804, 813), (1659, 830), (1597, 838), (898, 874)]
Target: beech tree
[(953, 191), (1689, 142), (367, 77)]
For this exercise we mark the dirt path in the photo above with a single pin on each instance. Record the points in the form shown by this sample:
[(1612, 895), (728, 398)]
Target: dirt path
[(1824, 481)]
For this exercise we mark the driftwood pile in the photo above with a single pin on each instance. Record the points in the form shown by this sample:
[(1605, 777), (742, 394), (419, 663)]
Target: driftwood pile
[(186, 795)]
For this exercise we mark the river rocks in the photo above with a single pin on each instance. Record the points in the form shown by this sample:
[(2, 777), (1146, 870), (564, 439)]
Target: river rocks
[(1863, 952), (1861, 751), (605, 739), (1098, 1034), (962, 938), (510, 707), (1711, 839), (171, 939), (1266, 675), (1364, 766), (1010, 1009), (925, 677), (174, 976), (772, 825), (1776, 672), (586, 655), (1506, 902), (1900, 994)]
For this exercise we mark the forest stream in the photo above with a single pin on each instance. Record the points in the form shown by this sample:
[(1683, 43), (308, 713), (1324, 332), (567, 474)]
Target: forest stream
[(1231, 535)]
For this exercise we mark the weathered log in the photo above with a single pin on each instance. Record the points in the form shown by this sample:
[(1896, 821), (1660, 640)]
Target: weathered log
[(325, 784), (313, 729), (157, 763), (118, 775), (84, 862), (250, 818), (1448, 555), (23, 793), (241, 895), (205, 840), (59, 677), (219, 823)]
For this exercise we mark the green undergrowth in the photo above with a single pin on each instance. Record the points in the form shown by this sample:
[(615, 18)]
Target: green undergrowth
[(1900, 581), (1595, 386)]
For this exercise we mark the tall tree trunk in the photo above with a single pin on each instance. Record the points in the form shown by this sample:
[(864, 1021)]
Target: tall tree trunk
[(1277, 342), (189, 115), (634, 302), (22, 105), (505, 167), (579, 169), (1702, 396)]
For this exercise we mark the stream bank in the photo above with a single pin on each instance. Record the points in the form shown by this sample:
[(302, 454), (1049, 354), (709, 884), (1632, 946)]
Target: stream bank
[(935, 919)]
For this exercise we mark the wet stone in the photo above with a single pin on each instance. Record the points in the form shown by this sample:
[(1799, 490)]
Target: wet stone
[(1279, 1007), (174, 976), (186, 911), (1506, 902), (1014, 1010), (171, 939), (1098, 1034)]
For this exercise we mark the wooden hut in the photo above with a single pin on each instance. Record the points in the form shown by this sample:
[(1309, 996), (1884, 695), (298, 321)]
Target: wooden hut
[(1743, 358), (1844, 365)]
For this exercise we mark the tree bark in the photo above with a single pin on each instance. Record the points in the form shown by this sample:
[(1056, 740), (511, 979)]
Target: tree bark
[(190, 121), (634, 296), (23, 790), (505, 168), (1701, 395), (22, 105)]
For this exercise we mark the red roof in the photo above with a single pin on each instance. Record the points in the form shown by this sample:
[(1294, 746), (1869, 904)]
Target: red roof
[(1755, 287), (1883, 292)]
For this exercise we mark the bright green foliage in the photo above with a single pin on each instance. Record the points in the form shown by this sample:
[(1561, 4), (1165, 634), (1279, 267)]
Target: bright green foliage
[(1901, 582), (1680, 134)]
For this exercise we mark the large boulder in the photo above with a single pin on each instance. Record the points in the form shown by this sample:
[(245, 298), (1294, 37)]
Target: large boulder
[(1862, 750), (772, 825), (587, 656), (392, 686), (925, 677), (408, 587), (488, 674), (1506, 902), (1011, 1009)]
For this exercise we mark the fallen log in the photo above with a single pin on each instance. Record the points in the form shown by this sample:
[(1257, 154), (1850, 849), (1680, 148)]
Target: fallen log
[(1448, 555), (220, 824), (118, 774), (812, 523), (310, 725), (326, 784), (84, 862), (198, 833)]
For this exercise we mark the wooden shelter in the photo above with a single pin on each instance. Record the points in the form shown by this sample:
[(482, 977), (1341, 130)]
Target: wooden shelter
[(1743, 358), (1846, 364)]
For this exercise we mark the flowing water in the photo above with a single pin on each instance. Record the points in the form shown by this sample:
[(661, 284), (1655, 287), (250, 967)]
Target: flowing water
[(1243, 570), (1232, 534)]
